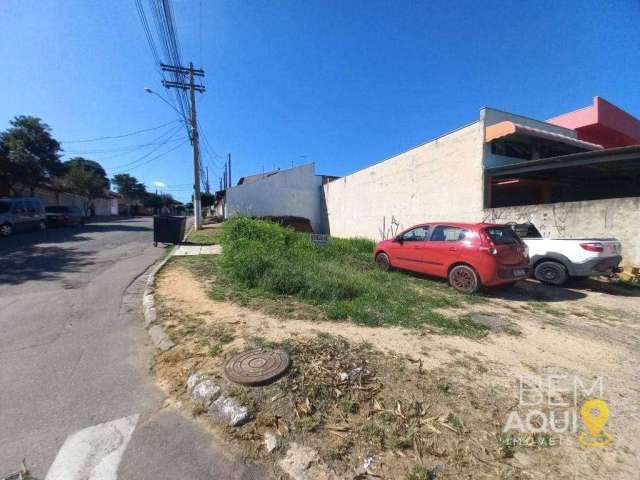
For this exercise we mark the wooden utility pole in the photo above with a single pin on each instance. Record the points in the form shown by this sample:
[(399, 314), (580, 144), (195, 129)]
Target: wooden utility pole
[(193, 88), (207, 187), (229, 169)]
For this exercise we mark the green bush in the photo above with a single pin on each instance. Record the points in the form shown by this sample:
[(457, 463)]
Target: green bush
[(339, 277)]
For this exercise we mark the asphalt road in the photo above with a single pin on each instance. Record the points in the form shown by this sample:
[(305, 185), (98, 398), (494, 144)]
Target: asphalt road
[(74, 354)]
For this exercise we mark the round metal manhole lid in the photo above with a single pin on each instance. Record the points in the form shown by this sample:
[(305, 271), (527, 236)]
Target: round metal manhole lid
[(258, 366)]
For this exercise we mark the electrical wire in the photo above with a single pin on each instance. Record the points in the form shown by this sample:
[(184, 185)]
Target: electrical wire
[(153, 158), (137, 132), (123, 149)]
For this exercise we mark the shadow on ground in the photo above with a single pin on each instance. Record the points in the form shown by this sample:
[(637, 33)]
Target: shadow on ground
[(47, 255)]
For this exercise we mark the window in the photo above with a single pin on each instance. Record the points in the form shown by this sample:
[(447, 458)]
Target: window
[(18, 207), (444, 233), (502, 235), (31, 207), (55, 209), (418, 234), (526, 230)]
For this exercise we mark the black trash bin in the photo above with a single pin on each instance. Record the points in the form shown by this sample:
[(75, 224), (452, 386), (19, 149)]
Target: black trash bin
[(168, 229)]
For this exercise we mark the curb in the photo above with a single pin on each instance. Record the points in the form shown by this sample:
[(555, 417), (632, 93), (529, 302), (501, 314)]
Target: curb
[(158, 336)]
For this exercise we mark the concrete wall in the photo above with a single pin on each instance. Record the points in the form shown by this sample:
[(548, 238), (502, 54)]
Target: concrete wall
[(293, 192), (439, 180), (614, 217)]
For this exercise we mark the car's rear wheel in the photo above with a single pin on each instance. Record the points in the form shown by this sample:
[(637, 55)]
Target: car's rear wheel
[(382, 260), (553, 273), (464, 279), (6, 230)]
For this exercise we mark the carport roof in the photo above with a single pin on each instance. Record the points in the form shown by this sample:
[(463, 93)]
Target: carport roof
[(610, 157), (507, 128)]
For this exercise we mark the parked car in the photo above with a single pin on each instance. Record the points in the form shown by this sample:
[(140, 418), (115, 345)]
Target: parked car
[(555, 260), (19, 214), (64, 215), (470, 255)]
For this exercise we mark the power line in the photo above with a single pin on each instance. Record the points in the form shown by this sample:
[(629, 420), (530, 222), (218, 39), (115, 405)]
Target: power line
[(120, 136), (127, 148), (154, 158)]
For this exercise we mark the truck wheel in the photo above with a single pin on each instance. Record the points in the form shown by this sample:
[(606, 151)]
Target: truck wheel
[(464, 279), (382, 260), (6, 230), (553, 273)]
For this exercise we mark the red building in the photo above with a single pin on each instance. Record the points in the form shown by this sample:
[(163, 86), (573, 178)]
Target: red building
[(602, 123)]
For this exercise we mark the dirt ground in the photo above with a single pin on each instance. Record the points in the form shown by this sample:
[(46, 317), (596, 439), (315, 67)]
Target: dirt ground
[(591, 330)]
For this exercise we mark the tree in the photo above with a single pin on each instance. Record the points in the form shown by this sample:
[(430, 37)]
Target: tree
[(207, 199), (91, 166), (84, 181), (29, 154), (130, 188)]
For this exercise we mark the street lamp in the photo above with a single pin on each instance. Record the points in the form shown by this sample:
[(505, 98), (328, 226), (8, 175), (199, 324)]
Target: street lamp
[(182, 117)]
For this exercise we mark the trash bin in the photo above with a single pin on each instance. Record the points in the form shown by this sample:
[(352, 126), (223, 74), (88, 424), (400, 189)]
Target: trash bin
[(168, 229)]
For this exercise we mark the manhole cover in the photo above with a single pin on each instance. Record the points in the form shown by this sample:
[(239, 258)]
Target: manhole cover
[(257, 367)]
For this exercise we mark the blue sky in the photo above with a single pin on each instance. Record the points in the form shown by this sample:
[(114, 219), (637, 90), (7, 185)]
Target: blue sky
[(341, 83)]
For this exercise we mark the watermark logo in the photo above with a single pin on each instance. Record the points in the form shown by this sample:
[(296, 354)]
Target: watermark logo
[(549, 406), (595, 414)]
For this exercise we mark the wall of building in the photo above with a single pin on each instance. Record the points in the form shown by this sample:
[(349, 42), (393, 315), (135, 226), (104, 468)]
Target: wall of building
[(615, 217), (293, 192), (439, 180)]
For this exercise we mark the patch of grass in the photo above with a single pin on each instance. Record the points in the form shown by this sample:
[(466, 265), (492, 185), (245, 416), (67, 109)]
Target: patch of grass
[(421, 473), (262, 260), (206, 236), (454, 421), (215, 350), (544, 307), (632, 284)]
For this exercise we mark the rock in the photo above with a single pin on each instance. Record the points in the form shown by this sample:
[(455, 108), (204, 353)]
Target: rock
[(205, 392), (303, 463), (194, 379), (344, 376), (228, 411), (364, 467), (271, 442), (160, 338)]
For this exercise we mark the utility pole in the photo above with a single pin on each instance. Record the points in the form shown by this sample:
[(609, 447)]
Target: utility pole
[(229, 171), (224, 177), (208, 188), (193, 88)]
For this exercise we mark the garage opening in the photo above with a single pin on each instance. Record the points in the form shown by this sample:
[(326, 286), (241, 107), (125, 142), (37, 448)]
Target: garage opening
[(592, 175)]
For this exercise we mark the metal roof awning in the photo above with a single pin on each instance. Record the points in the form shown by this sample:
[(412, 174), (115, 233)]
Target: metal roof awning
[(613, 157), (507, 128)]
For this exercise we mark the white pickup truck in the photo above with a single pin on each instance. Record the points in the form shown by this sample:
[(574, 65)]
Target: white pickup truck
[(554, 260)]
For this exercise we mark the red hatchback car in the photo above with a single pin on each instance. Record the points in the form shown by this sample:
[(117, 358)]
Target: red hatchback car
[(470, 255)]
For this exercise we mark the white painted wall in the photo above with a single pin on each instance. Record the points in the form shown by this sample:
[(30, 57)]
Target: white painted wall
[(439, 180), (292, 192)]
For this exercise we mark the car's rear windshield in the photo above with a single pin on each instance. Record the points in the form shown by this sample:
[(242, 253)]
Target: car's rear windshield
[(5, 207), (526, 230), (502, 235), (56, 209)]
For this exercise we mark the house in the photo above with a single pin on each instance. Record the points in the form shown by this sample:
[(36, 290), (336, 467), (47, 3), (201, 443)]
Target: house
[(53, 194), (575, 175), (294, 192)]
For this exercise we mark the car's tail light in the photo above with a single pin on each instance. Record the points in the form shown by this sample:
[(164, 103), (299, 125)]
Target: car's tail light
[(593, 246)]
